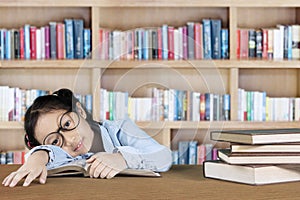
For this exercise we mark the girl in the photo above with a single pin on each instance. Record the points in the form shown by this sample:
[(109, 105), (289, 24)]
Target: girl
[(59, 130)]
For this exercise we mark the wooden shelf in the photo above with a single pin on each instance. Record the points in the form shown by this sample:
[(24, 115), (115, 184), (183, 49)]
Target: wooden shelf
[(124, 64), (190, 125)]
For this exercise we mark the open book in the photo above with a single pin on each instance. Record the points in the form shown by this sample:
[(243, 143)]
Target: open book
[(80, 167)]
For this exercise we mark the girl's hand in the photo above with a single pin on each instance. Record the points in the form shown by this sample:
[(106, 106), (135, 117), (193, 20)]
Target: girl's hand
[(34, 167), (106, 165)]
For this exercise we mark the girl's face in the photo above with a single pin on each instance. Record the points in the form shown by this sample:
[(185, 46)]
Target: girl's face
[(74, 133)]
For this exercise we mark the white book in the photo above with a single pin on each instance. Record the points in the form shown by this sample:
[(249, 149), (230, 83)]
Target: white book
[(251, 174), (38, 44), (176, 44), (43, 49)]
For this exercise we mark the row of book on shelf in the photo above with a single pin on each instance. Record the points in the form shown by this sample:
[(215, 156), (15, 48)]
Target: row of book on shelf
[(280, 42), (15, 101), (257, 106), (205, 39), (57, 40), (256, 157), (193, 153), (165, 105), (12, 157)]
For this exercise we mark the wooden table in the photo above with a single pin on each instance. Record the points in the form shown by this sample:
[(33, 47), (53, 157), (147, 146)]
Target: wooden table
[(181, 182)]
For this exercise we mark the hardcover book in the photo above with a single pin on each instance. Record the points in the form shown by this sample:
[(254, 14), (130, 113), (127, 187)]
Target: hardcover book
[(258, 136), (284, 147), (245, 158), (81, 168), (251, 174)]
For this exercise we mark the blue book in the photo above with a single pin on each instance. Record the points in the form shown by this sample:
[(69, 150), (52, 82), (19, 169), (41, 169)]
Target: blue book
[(207, 106), (8, 44), (2, 47), (216, 38), (224, 44), (89, 103), (145, 45), (290, 42), (193, 152), (175, 157), (78, 38), (226, 107), (69, 38), (27, 41), (86, 43), (179, 105), (164, 32), (207, 48), (140, 44), (183, 150)]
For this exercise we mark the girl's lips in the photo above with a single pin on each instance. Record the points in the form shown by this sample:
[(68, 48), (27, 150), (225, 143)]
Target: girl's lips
[(80, 144)]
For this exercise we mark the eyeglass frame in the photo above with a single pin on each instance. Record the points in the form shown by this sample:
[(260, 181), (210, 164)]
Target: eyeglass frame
[(60, 128)]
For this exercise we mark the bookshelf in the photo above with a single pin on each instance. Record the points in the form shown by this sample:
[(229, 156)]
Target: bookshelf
[(278, 78)]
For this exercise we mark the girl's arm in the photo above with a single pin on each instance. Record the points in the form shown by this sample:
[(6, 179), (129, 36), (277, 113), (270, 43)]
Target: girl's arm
[(139, 149)]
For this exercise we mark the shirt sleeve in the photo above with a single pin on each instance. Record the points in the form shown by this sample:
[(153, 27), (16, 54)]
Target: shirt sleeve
[(139, 149), (57, 156)]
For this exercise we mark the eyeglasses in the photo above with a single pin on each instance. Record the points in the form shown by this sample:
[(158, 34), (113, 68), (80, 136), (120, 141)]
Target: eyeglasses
[(68, 122)]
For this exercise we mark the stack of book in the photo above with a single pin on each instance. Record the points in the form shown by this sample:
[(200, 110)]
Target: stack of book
[(256, 157)]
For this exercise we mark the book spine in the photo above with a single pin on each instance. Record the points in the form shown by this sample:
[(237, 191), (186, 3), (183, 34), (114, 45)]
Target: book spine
[(32, 42), (171, 43), (259, 43), (224, 44), (185, 43), (87, 43), (216, 38), (165, 42), (159, 43), (70, 38), (78, 38), (190, 40), (7, 45), (47, 42), (53, 50), (17, 44), (252, 43), (207, 46)]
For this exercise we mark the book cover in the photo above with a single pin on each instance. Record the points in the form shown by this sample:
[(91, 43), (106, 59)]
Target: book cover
[(244, 158), (283, 147), (251, 174), (258, 136), (81, 168)]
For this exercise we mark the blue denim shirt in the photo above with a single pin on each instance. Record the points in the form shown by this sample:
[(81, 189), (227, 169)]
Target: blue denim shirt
[(139, 149)]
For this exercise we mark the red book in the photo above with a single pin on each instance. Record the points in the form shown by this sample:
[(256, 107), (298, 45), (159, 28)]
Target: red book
[(201, 152), (22, 43), (170, 43), (265, 44), (238, 43), (60, 42), (159, 44), (47, 42), (198, 41), (184, 40), (244, 43), (32, 42), (202, 107), (101, 55)]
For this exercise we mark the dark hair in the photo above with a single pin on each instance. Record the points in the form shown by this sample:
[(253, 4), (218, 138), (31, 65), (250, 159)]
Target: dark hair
[(62, 99)]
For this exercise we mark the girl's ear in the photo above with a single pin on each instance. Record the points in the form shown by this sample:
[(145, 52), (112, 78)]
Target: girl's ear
[(80, 110)]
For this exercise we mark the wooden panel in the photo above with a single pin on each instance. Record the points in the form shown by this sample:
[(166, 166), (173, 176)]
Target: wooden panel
[(130, 18), (265, 17), (277, 83), (15, 17), (47, 79), (138, 81), (11, 140)]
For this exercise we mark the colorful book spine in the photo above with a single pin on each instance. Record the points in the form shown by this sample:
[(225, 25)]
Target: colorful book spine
[(69, 38)]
